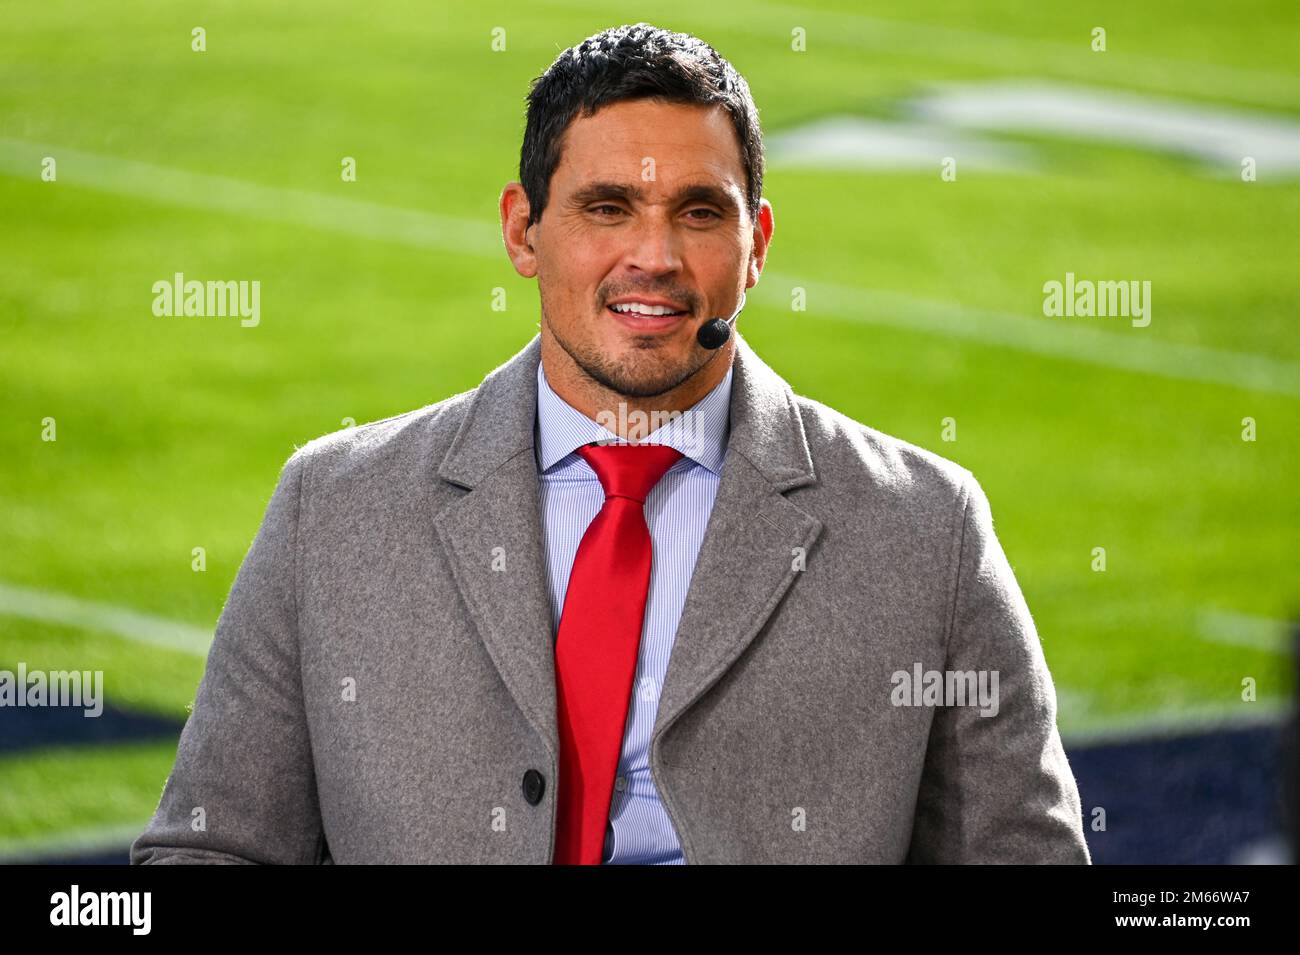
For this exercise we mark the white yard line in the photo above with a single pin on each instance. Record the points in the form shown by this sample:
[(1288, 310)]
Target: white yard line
[(48, 606), (1243, 630), (179, 187), (1074, 705), (72, 842), (1186, 721), (51, 607), (1130, 350), (1129, 63)]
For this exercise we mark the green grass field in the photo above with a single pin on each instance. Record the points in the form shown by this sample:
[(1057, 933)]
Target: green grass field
[(171, 431)]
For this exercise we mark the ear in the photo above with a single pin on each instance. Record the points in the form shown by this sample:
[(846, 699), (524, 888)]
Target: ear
[(515, 230), (762, 238)]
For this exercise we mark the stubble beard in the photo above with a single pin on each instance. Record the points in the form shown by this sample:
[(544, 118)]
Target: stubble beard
[(643, 374)]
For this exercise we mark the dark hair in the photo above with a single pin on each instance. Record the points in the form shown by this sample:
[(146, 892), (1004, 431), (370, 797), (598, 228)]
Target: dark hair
[(631, 62)]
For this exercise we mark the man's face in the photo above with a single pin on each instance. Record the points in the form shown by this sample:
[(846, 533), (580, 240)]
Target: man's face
[(646, 207)]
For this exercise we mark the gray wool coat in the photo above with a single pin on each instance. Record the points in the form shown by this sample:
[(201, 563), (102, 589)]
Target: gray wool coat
[(381, 684)]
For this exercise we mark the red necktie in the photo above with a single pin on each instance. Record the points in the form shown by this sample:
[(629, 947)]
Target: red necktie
[(598, 642)]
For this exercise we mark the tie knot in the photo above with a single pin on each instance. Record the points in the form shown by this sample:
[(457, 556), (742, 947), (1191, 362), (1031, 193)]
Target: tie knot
[(629, 470)]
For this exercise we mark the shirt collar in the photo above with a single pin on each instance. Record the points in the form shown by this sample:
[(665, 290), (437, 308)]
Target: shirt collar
[(700, 432)]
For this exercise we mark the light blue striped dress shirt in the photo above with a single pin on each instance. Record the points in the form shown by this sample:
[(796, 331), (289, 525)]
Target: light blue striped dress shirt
[(677, 512)]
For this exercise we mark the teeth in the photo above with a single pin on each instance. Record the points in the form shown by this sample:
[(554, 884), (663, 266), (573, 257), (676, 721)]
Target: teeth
[(640, 309)]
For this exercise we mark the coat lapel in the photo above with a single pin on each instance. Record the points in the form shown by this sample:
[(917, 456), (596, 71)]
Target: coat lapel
[(745, 565), (747, 560), (498, 524)]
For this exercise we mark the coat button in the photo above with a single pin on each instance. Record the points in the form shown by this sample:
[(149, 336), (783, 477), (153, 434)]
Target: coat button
[(534, 786)]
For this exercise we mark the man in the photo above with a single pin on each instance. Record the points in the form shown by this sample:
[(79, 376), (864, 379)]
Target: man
[(631, 599)]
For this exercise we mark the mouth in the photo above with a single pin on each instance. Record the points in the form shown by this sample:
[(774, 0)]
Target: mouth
[(640, 321)]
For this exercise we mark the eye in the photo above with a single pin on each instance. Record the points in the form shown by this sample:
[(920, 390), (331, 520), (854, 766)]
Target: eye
[(707, 212), (606, 205)]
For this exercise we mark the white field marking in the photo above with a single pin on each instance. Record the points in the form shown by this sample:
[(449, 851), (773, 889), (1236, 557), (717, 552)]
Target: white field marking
[(856, 142), (1057, 338), (1271, 850), (1073, 57), (1177, 721), (140, 180), (1073, 706), (47, 606), (52, 607), (73, 842), (1218, 135), (1242, 630)]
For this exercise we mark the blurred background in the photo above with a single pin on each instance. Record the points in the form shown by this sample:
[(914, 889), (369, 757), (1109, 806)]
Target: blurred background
[(932, 165)]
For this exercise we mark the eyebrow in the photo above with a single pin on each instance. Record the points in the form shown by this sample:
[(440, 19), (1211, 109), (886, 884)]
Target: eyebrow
[(693, 192)]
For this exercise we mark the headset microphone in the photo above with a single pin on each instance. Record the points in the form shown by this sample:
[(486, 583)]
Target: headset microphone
[(715, 332)]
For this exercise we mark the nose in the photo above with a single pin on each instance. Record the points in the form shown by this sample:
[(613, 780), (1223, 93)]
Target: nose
[(655, 245)]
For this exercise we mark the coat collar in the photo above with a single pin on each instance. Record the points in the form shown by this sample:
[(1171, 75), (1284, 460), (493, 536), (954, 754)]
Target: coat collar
[(765, 424), (699, 433)]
